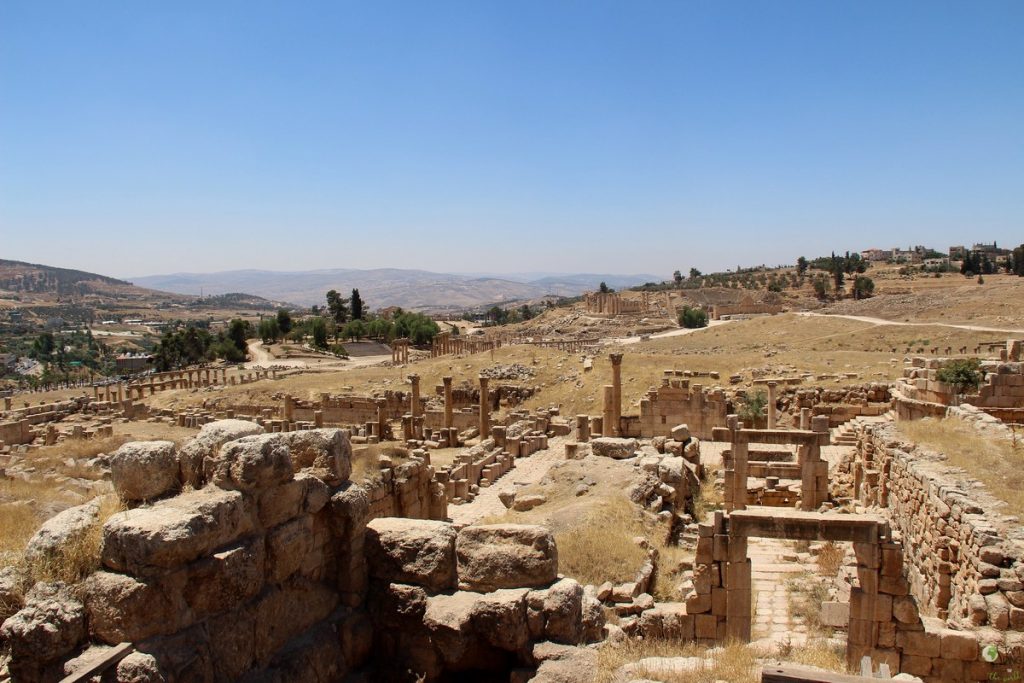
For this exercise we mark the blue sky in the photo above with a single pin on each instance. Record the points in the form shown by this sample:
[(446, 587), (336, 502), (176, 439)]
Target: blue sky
[(144, 137)]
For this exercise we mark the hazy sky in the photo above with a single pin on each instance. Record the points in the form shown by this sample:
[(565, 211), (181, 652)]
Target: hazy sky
[(146, 137)]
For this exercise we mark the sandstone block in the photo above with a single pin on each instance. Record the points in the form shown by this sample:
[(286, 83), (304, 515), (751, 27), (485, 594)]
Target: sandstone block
[(667, 620), (143, 470), (286, 612), (500, 618), (414, 551), (681, 432), (50, 625), (961, 645), (505, 556), (174, 531), (563, 612), (288, 547)]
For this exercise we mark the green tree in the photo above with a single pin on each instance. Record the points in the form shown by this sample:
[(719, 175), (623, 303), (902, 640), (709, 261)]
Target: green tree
[(863, 287), (694, 273), (691, 317), (42, 347), (354, 329), (751, 412), (603, 288), (269, 330), (357, 305), (284, 321), (525, 312), (801, 265), (837, 267), (962, 374), (238, 332), (318, 327), (380, 329), (677, 277), (337, 306)]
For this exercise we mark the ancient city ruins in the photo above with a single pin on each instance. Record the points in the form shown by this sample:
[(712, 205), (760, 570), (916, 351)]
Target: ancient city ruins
[(429, 530)]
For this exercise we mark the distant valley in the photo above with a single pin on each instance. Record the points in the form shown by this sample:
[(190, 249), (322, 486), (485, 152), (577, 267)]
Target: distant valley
[(414, 289)]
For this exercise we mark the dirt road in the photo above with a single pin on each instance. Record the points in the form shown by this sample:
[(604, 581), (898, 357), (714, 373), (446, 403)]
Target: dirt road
[(883, 321)]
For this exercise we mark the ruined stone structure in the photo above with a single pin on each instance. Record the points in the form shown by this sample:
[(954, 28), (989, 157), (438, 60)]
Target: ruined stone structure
[(676, 401), (746, 306), (920, 393)]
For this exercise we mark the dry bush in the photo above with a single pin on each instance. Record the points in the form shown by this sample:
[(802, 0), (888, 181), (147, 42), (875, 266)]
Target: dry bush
[(81, 555), (830, 558), (993, 461), (736, 662), (600, 547)]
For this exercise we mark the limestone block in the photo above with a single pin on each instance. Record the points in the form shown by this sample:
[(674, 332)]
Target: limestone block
[(563, 612), (326, 452), (206, 443), (174, 531), (528, 501), (681, 433), (286, 612), (669, 620), (50, 625), (505, 556), (611, 447), (961, 645), (499, 618), (414, 551), (288, 548), (252, 463), (835, 614), (278, 504), (143, 470), (61, 529), (122, 608)]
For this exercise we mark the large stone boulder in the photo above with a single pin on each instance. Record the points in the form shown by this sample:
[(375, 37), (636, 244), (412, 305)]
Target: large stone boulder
[(122, 608), (611, 447), (205, 445), (174, 531), (60, 530), (505, 556), (326, 452), (562, 608), (143, 470), (415, 551), (252, 463), (49, 626)]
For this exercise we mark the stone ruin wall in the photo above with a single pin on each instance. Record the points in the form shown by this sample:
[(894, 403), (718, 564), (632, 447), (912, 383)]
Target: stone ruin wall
[(961, 564), (259, 573)]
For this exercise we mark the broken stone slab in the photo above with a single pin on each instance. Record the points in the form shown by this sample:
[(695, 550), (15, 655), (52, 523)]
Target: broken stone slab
[(528, 502), (505, 556), (414, 551), (611, 447)]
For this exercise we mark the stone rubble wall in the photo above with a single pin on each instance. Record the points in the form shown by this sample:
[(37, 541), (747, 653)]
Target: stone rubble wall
[(257, 575)]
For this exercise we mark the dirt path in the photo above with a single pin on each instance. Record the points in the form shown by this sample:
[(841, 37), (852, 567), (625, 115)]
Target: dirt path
[(262, 357), (671, 333), (883, 321), (528, 470)]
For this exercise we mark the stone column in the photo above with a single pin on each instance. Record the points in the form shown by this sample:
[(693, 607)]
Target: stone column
[(615, 427), (382, 415), (771, 405), (289, 408), (414, 409), (485, 410), (608, 415), (448, 408), (583, 428), (805, 418)]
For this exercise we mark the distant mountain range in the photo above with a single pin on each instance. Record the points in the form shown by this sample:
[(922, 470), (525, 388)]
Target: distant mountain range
[(413, 289)]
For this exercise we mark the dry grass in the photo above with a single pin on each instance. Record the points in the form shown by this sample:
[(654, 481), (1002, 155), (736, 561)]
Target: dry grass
[(821, 653), (736, 663), (806, 593), (830, 558), (18, 521), (366, 461), (81, 555), (600, 547), (993, 461)]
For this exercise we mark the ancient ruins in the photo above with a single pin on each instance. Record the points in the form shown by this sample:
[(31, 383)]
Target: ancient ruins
[(400, 535)]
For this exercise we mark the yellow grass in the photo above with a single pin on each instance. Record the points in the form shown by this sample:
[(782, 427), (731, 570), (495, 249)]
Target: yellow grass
[(993, 461), (736, 663), (366, 461), (18, 521), (830, 558), (600, 546), (81, 555), (820, 653)]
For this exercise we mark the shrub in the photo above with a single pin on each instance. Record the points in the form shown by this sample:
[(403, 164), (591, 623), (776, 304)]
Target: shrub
[(691, 317), (963, 373)]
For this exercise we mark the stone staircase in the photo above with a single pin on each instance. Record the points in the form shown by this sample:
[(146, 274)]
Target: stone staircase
[(846, 433)]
